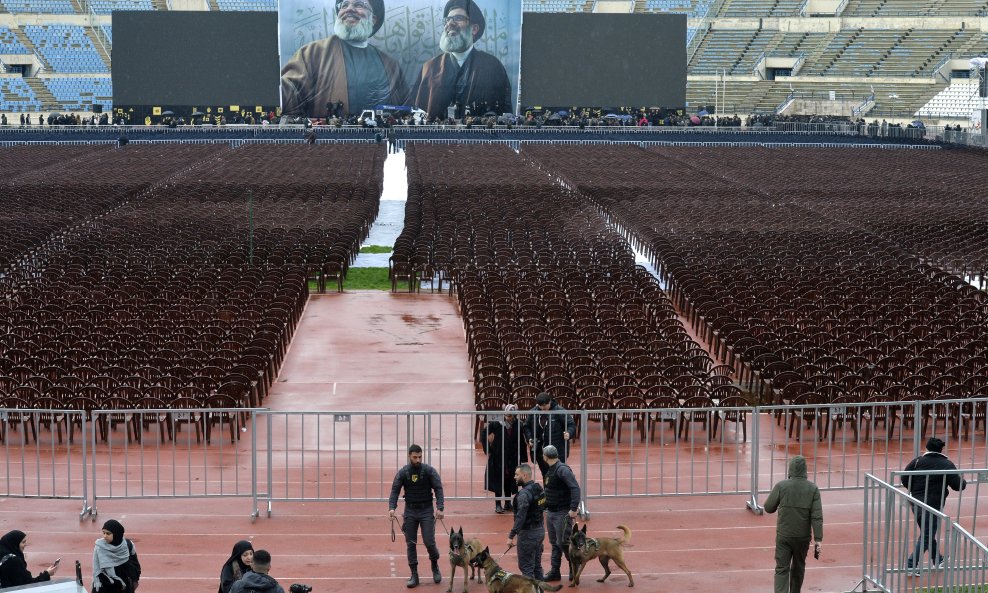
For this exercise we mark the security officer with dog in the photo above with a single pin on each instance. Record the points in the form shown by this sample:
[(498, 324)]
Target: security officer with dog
[(562, 493), (529, 504), (419, 481)]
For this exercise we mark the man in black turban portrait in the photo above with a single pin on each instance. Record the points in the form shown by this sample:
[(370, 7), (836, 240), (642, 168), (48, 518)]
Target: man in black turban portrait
[(344, 67), (462, 75)]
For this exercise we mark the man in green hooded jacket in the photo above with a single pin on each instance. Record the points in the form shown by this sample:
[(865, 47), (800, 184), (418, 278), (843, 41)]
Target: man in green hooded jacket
[(800, 517)]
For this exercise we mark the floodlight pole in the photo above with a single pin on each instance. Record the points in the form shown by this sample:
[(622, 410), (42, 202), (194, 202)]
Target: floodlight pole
[(250, 227)]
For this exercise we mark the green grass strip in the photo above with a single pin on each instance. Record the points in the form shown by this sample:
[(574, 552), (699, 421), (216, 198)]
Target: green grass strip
[(367, 279), (375, 249)]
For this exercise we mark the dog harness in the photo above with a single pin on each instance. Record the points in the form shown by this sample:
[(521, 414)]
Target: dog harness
[(591, 545), (499, 575)]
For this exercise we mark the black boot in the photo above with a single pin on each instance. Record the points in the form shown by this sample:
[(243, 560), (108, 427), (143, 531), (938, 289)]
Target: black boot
[(553, 575), (436, 576), (498, 508), (413, 581)]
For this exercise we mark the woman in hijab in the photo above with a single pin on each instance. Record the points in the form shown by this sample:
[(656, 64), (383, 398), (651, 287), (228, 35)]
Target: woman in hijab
[(237, 565), (116, 568), (503, 443), (13, 566)]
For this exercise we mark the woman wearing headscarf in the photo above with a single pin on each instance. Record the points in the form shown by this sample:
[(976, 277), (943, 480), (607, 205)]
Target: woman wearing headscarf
[(504, 444), (237, 565), (116, 568), (13, 566)]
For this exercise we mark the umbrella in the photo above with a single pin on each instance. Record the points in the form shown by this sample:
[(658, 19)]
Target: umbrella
[(703, 113), (197, 114), (167, 113), (554, 116), (562, 113), (612, 116), (695, 120), (490, 114), (919, 124)]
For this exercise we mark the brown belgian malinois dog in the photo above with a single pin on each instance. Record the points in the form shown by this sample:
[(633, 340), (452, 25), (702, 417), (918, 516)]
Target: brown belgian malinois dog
[(501, 581), (583, 549), (460, 554)]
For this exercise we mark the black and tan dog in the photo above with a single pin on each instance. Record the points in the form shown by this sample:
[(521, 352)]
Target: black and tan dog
[(583, 549), (461, 552), (501, 581)]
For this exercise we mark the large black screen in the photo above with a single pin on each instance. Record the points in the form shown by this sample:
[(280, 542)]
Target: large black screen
[(603, 60), (195, 58)]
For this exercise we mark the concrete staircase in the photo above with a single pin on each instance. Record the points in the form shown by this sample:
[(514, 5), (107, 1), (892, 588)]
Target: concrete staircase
[(160, 4), (213, 5), (47, 100), (99, 44), (26, 42)]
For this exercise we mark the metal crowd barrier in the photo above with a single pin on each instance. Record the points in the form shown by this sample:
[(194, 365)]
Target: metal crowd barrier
[(44, 464), (895, 527), (280, 456)]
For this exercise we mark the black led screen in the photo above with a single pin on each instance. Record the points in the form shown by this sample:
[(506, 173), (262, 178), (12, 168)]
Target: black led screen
[(603, 60), (195, 58)]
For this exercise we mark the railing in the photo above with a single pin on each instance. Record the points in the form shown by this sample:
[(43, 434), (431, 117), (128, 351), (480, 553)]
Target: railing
[(894, 529), (55, 468), (864, 107), (351, 456)]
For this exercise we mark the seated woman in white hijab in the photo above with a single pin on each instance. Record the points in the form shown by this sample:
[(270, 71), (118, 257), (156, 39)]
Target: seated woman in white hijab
[(116, 568)]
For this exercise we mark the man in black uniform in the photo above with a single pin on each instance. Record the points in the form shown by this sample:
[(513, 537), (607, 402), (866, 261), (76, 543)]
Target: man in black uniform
[(553, 428), (562, 494), (529, 504), (419, 481)]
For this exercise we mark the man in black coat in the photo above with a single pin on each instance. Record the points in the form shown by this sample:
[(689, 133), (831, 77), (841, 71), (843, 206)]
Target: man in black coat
[(554, 429), (502, 441), (932, 490)]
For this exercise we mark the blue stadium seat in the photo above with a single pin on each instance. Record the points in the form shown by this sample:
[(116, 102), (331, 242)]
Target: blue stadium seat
[(66, 48), (9, 44), (108, 6), (40, 6), (81, 93), (248, 5), (16, 96)]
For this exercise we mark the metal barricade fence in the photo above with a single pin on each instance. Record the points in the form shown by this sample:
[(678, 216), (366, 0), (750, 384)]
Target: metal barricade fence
[(909, 545), (962, 507), (172, 453), (284, 456), (47, 463)]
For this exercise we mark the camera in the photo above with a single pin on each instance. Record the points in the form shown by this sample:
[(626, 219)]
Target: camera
[(299, 588)]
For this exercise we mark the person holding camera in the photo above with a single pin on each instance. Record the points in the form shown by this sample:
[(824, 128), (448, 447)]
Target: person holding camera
[(258, 580), (419, 481), (13, 566), (800, 518)]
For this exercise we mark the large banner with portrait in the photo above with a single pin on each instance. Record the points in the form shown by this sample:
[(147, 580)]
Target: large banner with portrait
[(445, 57)]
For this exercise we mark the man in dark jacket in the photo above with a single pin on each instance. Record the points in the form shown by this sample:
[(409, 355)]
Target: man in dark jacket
[(800, 517), (419, 481), (548, 429), (562, 494), (932, 490), (258, 580), (462, 75), (529, 526)]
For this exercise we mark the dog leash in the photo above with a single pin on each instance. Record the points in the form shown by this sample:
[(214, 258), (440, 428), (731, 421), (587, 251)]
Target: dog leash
[(401, 526), (506, 551)]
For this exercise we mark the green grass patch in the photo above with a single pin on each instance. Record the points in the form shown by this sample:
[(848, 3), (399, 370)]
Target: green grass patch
[(375, 249), (367, 279), (957, 589)]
